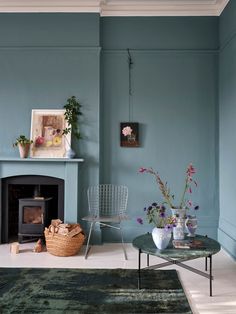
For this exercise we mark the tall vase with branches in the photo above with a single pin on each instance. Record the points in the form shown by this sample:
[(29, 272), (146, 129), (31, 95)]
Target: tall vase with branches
[(72, 113)]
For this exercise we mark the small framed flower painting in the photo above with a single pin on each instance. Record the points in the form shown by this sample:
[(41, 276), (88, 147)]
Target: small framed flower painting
[(129, 134), (47, 134)]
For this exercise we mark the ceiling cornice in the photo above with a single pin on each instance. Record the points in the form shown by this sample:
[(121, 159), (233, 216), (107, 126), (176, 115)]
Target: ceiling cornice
[(118, 7)]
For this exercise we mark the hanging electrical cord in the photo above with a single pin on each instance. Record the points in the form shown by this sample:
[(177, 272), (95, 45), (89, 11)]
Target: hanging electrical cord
[(130, 63)]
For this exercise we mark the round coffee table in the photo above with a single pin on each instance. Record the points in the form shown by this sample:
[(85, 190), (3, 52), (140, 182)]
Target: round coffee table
[(177, 256)]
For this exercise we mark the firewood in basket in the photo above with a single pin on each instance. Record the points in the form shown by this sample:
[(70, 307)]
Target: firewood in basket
[(52, 229), (64, 225), (56, 222), (75, 231), (62, 230)]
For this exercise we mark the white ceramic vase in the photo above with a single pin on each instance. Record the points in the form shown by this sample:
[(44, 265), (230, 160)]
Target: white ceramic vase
[(191, 225), (161, 237), (178, 231)]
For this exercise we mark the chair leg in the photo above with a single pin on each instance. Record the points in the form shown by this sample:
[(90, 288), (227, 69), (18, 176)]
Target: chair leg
[(123, 245), (87, 246)]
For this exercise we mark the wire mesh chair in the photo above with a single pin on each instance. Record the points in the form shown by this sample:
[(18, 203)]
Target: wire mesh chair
[(107, 206)]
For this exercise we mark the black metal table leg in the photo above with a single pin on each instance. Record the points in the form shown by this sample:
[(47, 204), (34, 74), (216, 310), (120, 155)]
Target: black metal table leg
[(148, 260), (210, 257), (205, 263), (139, 269)]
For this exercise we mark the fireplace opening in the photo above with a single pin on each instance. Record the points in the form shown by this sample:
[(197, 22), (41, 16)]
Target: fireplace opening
[(34, 216), (47, 203)]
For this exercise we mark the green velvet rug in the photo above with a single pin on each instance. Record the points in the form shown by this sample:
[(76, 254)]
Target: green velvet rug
[(44, 290)]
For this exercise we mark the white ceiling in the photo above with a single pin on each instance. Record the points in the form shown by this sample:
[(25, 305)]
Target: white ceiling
[(119, 7)]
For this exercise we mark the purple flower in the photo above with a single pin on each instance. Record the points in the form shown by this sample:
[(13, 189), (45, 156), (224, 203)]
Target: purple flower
[(162, 215), (168, 227), (154, 204), (140, 221)]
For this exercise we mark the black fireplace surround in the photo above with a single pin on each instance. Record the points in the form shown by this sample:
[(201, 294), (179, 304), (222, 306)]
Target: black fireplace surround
[(24, 185)]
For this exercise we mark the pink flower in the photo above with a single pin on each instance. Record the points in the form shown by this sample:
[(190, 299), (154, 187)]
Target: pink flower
[(141, 170), (127, 131), (190, 170), (190, 203)]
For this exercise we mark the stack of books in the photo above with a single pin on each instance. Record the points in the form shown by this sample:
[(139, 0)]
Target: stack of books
[(188, 244)]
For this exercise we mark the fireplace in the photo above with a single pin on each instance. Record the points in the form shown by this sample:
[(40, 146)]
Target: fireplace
[(58, 178), (25, 212), (34, 216)]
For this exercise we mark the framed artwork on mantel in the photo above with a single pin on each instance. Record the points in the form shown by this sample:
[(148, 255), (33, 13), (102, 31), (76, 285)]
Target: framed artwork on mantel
[(47, 134)]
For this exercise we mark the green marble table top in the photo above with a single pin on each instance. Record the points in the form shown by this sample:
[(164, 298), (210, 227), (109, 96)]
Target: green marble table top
[(146, 245)]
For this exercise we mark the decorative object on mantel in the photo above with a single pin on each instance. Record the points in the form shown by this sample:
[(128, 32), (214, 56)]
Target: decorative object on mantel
[(23, 144), (179, 212), (63, 239), (161, 234), (129, 131), (72, 113), (46, 132)]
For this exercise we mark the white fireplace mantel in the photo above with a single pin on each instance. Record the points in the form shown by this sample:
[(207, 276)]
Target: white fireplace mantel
[(63, 168)]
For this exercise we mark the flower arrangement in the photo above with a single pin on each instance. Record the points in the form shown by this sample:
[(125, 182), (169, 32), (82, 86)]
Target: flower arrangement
[(184, 202), (156, 214)]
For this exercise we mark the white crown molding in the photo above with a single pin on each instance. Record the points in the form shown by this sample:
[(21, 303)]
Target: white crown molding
[(118, 7)]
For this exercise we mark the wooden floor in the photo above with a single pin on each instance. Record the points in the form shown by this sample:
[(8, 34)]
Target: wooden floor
[(111, 256)]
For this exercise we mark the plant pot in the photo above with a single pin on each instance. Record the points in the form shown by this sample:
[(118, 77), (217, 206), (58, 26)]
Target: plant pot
[(161, 237), (24, 150)]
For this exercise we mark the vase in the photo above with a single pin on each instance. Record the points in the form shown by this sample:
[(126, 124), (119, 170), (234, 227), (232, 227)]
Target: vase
[(191, 225), (161, 237), (70, 153), (24, 150), (178, 230)]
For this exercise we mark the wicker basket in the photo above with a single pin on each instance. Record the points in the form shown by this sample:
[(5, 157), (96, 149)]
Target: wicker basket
[(63, 245)]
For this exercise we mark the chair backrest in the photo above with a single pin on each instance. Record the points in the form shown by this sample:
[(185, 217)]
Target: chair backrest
[(107, 199)]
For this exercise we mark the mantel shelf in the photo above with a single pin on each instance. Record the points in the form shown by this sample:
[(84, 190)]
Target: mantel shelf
[(65, 160)]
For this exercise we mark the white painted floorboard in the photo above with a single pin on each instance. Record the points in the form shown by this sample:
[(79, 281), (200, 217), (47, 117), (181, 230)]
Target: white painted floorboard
[(111, 256)]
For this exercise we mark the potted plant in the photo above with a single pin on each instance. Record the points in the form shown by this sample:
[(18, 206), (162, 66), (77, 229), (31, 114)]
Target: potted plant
[(185, 203), (72, 113), (163, 224), (23, 144)]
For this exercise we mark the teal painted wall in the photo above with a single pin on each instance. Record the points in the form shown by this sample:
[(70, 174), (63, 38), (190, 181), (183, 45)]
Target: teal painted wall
[(227, 105), (45, 58), (174, 98)]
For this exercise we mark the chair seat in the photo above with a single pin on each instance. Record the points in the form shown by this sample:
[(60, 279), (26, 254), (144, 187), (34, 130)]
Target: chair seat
[(115, 219)]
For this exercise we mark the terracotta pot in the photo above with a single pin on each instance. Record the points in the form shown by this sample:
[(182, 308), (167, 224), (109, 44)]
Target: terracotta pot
[(24, 150)]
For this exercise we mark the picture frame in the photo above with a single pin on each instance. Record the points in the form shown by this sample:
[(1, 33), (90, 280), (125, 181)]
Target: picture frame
[(47, 127), (129, 134)]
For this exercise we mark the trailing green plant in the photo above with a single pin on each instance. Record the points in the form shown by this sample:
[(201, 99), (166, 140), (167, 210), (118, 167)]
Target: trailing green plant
[(72, 113), (22, 140)]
